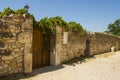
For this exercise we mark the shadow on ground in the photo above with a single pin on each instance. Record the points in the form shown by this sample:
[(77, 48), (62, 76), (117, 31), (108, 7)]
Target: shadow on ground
[(79, 60), (34, 73)]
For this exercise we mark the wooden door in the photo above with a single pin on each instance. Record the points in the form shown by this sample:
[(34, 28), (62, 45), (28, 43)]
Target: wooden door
[(37, 49), (40, 58)]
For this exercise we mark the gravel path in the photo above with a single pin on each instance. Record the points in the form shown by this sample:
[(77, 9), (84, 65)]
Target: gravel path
[(102, 67)]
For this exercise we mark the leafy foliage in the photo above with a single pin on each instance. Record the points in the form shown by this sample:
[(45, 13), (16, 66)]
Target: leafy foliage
[(7, 11), (48, 25), (35, 24), (75, 26), (114, 28), (20, 11)]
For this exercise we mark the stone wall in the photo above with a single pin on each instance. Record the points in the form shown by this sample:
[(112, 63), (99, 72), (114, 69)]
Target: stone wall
[(101, 42), (75, 46), (80, 44), (15, 43)]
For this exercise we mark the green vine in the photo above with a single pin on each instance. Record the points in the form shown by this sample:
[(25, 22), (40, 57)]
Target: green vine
[(48, 25), (75, 27), (7, 11)]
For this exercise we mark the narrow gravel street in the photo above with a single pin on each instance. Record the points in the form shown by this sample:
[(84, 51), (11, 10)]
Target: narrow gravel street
[(102, 67)]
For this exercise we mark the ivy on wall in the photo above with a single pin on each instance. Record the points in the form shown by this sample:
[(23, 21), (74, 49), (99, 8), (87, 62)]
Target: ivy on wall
[(7, 11), (48, 25)]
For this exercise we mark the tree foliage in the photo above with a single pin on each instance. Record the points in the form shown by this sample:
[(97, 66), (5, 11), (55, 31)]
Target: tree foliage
[(114, 28)]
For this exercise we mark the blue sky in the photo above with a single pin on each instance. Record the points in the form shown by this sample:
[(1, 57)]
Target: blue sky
[(93, 15)]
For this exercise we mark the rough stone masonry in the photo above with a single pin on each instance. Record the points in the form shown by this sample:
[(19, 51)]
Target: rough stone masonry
[(77, 45), (16, 44)]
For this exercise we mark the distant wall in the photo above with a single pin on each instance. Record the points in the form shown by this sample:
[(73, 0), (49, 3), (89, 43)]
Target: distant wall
[(15, 43), (77, 45), (101, 42)]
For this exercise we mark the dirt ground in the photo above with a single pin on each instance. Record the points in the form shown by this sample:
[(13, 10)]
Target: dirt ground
[(100, 67)]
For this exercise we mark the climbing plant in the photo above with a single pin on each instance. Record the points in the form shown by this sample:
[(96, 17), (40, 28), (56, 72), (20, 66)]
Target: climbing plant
[(48, 25), (20, 11), (7, 11), (75, 26)]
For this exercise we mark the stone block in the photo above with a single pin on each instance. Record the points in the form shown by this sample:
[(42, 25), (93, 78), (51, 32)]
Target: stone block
[(1, 67), (9, 69), (27, 25), (5, 58), (28, 63), (14, 29), (13, 65), (16, 50), (16, 55), (28, 48), (25, 37), (21, 49), (20, 60), (10, 40), (7, 62), (2, 63), (14, 46), (19, 65), (65, 37), (5, 65), (3, 71), (13, 53), (11, 15)]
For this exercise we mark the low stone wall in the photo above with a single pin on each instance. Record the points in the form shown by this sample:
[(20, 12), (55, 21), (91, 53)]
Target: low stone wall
[(101, 42), (15, 42), (78, 44)]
